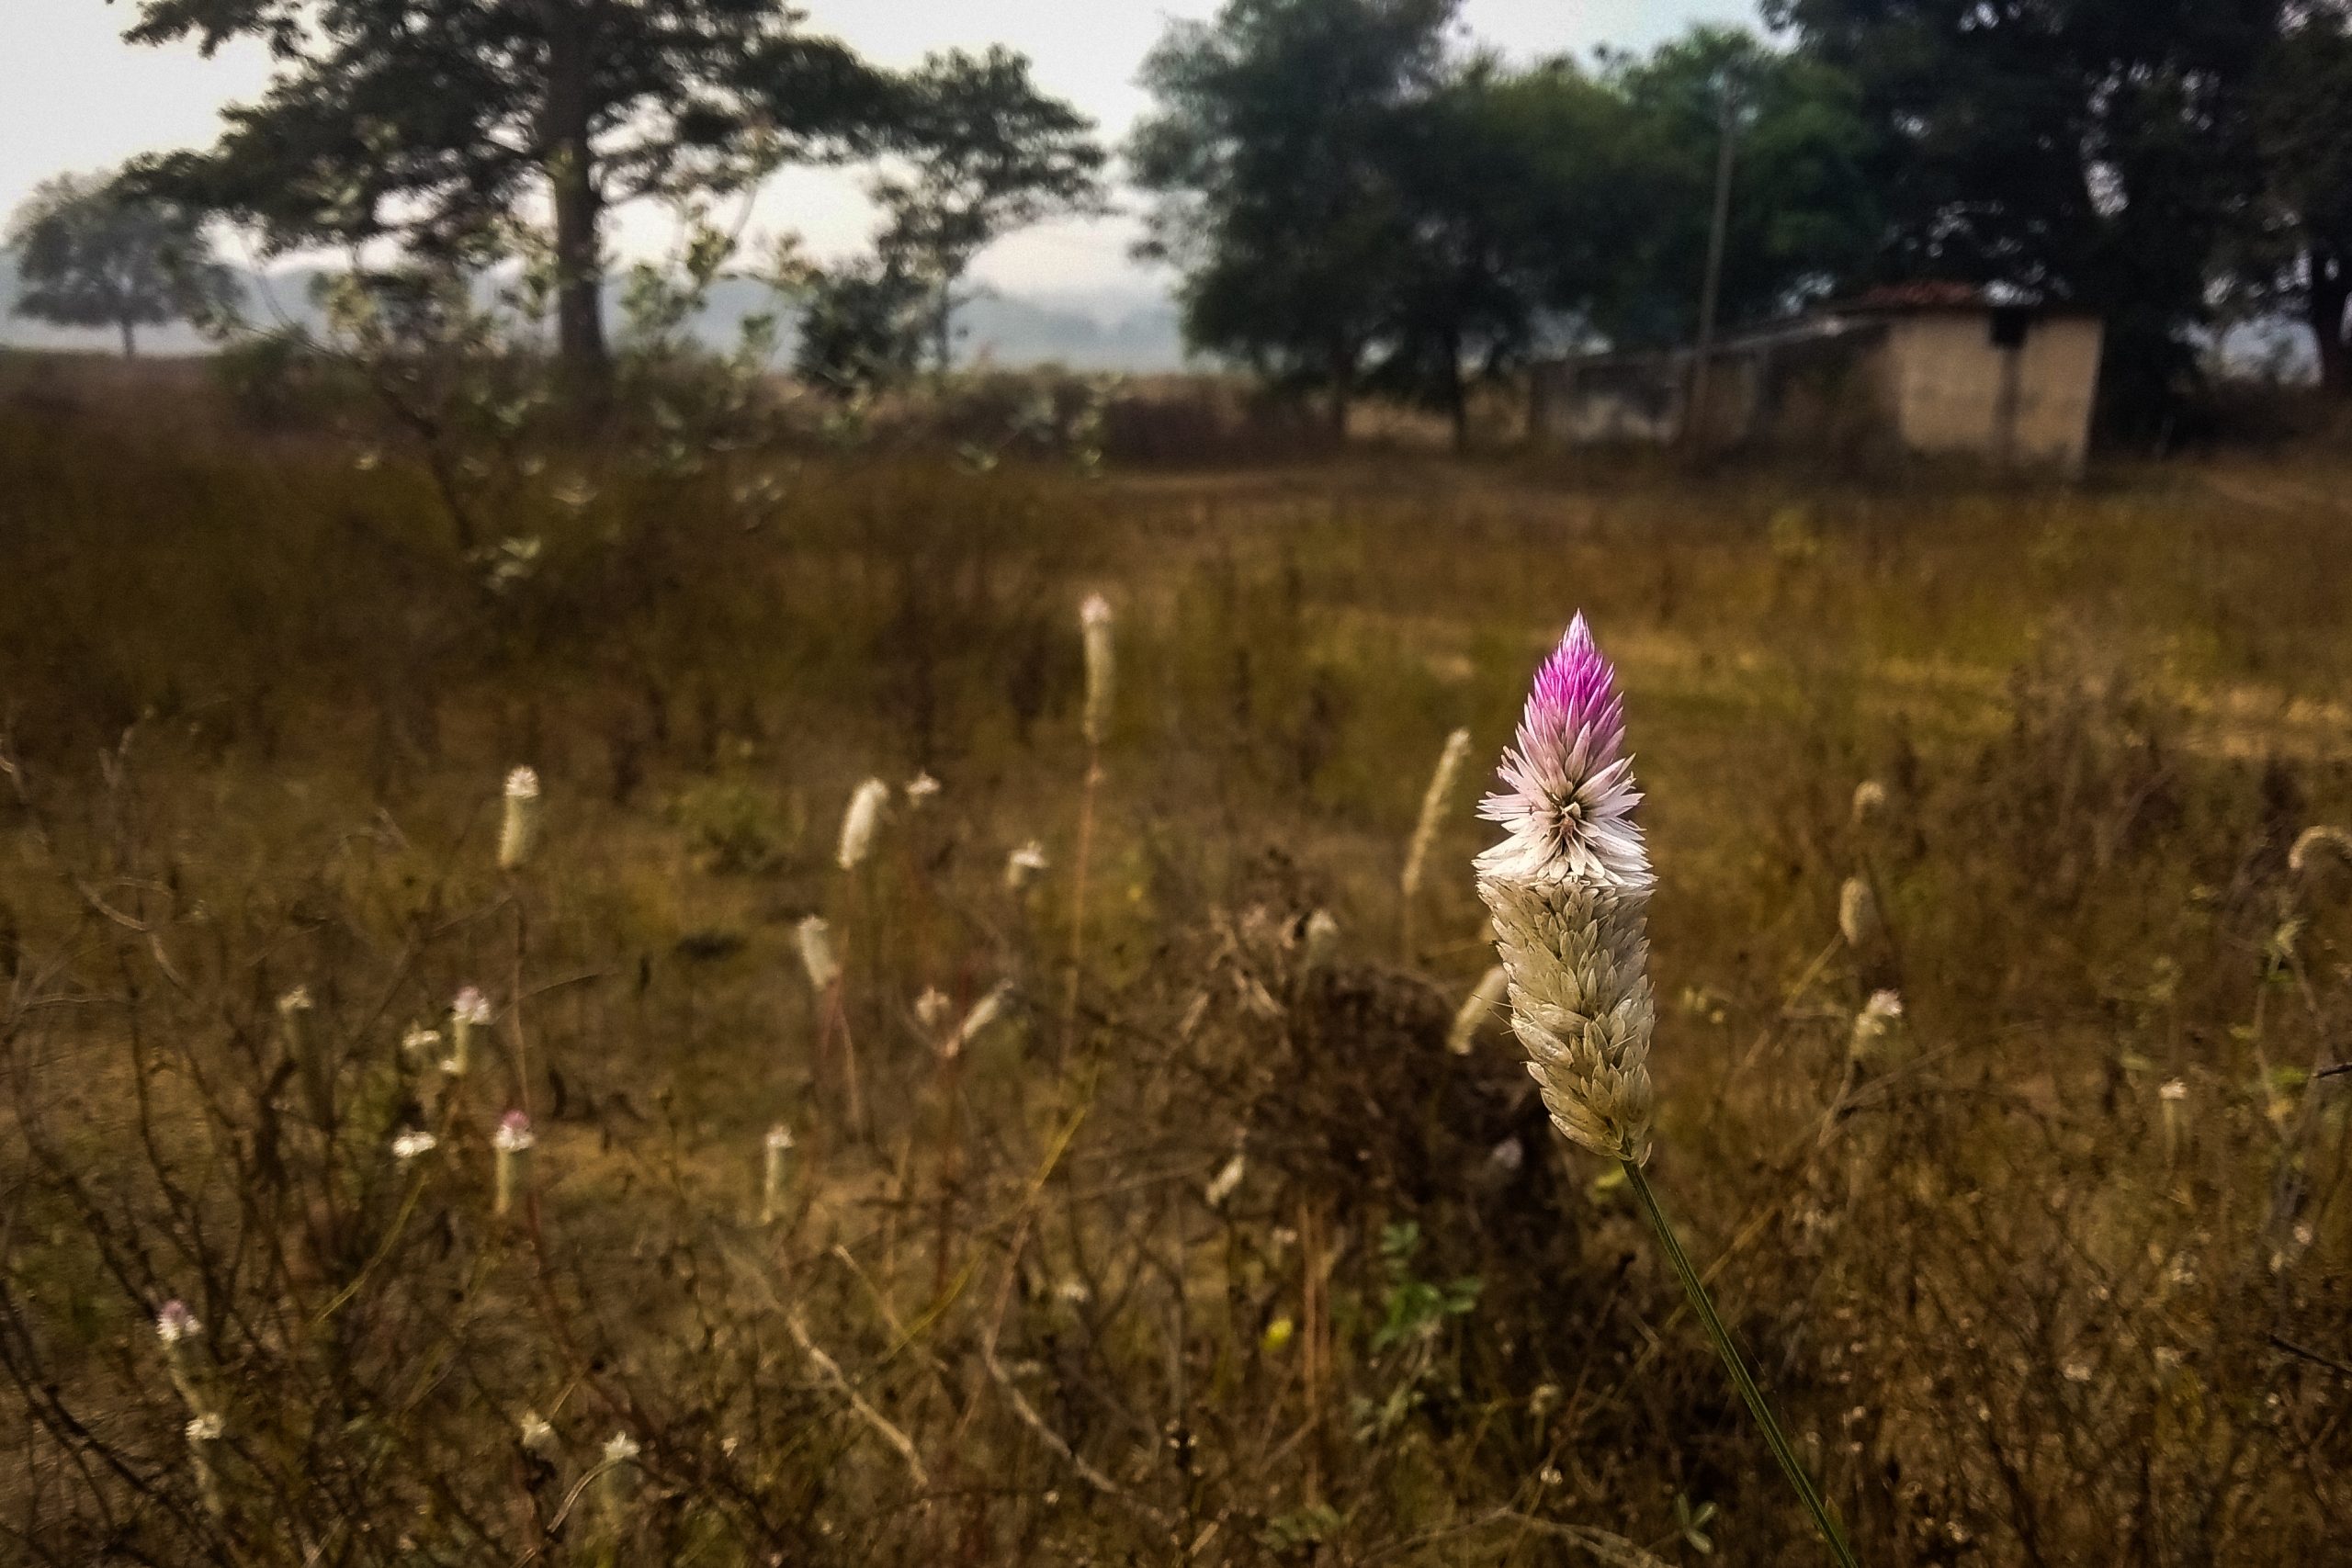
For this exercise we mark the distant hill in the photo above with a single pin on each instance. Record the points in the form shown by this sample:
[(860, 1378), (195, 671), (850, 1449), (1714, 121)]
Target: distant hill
[(1133, 330)]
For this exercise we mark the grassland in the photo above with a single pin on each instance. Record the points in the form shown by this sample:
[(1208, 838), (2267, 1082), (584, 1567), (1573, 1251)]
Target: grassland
[(1231, 1260)]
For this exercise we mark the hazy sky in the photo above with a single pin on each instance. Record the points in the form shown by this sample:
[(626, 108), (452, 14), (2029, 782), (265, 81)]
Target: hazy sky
[(73, 96)]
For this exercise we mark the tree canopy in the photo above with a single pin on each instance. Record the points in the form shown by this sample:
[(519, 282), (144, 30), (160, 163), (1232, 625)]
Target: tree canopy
[(437, 123), (91, 253), (1354, 198), (2099, 153)]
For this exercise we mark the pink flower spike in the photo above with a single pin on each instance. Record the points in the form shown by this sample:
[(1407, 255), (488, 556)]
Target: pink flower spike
[(513, 1134), (176, 1323), (1567, 798)]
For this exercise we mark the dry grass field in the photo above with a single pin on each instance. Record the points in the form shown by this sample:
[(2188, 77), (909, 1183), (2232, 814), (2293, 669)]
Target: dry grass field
[(1200, 1245)]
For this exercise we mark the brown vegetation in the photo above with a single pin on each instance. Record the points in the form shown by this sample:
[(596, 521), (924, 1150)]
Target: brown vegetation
[(1259, 1272)]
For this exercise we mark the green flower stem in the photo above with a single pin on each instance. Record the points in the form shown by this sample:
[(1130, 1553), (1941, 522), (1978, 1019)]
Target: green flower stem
[(1774, 1439)]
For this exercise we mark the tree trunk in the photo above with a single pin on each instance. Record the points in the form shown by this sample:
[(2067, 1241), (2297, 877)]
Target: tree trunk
[(1457, 395), (572, 180), (130, 338), (2331, 288), (1342, 371)]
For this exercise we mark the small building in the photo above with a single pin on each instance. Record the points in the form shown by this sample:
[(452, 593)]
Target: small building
[(1932, 369)]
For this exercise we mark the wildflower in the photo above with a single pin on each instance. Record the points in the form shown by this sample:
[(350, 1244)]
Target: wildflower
[(816, 953), (1095, 622), (1317, 941), (1226, 1180), (1023, 866), (535, 1434), (1874, 1024), (1476, 1010), (410, 1145), (294, 1009), (1194, 1011), (514, 1141), (176, 1326), (620, 1473), (860, 821), (2312, 840), (919, 790), (1857, 918), (175, 1323), (294, 1015), (778, 1146), (1569, 889), (983, 1013), (1869, 799), (1433, 803), (203, 1431), (519, 831), (468, 1013)]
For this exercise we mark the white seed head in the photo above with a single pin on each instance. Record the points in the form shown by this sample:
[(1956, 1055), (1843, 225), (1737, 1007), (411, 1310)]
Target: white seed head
[(1227, 1181), (470, 1007), (294, 1002), (518, 832), (536, 1432), (1433, 803), (860, 822), (410, 1145), (983, 1016), (620, 1448), (1476, 1010), (206, 1428), (1023, 866), (1873, 1023), (1094, 623), (816, 953), (778, 1150), (2173, 1090), (931, 1008), (1857, 918), (1870, 800), (1576, 953), (921, 789), (514, 1135), (1319, 941), (2313, 840)]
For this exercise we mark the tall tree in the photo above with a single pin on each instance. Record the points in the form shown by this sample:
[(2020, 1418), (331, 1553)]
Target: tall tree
[(436, 123), (1474, 169), (1266, 149), (90, 254), (2302, 259), (2099, 153), (1804, 212), (989, 154)]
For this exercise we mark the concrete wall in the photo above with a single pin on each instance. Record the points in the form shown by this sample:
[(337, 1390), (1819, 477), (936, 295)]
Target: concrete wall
[(1955, 390), (1934, 382)]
